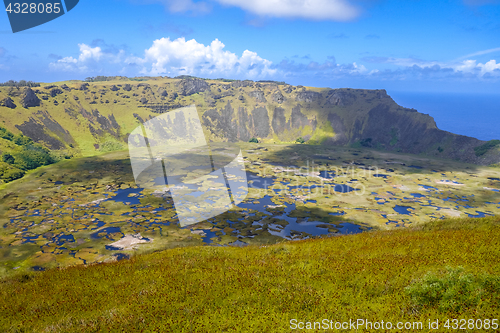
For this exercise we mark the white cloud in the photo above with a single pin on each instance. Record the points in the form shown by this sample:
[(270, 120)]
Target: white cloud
[(92, 60), (337, 10), (190, 57), (490, 67), (169, 57), (465, 68), (181, 56)]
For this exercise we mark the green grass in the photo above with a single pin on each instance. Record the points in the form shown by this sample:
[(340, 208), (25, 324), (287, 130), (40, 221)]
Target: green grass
[(260, 289), (482, 149), (454, 291), (394, 136)]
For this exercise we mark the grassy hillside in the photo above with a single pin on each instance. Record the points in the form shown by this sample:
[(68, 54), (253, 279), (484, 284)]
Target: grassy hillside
[(415, 265), (261, 289), (85, 118)]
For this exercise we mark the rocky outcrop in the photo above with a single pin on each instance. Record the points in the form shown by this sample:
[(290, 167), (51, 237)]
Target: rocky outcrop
[(340, 131), (381, 94), (299, 120), (245, 124), (277, 97), (29, 99), (308, 97), (340, 98), (222, 122), (261, 122), (240, 110), (279, 123), (239, 84), (43, 128), (258, 95), (56, 91), (192, 86), (8, 102)]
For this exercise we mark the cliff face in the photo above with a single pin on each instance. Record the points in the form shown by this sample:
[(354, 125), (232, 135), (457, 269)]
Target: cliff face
[(84, 116)]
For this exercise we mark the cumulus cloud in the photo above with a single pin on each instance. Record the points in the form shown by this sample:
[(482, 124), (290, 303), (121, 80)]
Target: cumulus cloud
[(190, 57), (417, 68), (92, 60), (337, 10), (180, 56), (167, 57)]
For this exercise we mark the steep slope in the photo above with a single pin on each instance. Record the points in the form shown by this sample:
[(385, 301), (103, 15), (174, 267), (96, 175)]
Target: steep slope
[(85, 118)]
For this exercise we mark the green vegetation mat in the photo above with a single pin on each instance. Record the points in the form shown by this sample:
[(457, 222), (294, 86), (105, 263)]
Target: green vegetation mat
[(63, 214)]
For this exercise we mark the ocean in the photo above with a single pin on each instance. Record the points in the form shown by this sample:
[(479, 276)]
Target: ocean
[(476, 115)]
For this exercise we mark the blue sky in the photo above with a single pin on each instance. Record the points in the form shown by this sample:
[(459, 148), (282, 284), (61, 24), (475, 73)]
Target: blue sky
[(413, 45)]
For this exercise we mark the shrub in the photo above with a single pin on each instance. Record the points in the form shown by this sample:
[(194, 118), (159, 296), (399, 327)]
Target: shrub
[(254, 140), (111, 146), (8, 158), (482, 149), (59, 156), (31, 157), (300, 140), (22, 140), (366, 142), (22, 83), (452, 292), (12, 174), (6, 134)]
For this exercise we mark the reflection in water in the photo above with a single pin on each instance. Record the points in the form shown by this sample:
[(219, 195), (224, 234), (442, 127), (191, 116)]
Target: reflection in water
[(124, 196), (479, 214), (403, 209), (296, 226)]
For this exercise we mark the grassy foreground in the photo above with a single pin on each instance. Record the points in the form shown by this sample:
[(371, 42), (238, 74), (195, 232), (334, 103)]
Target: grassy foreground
[(259, 289)]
